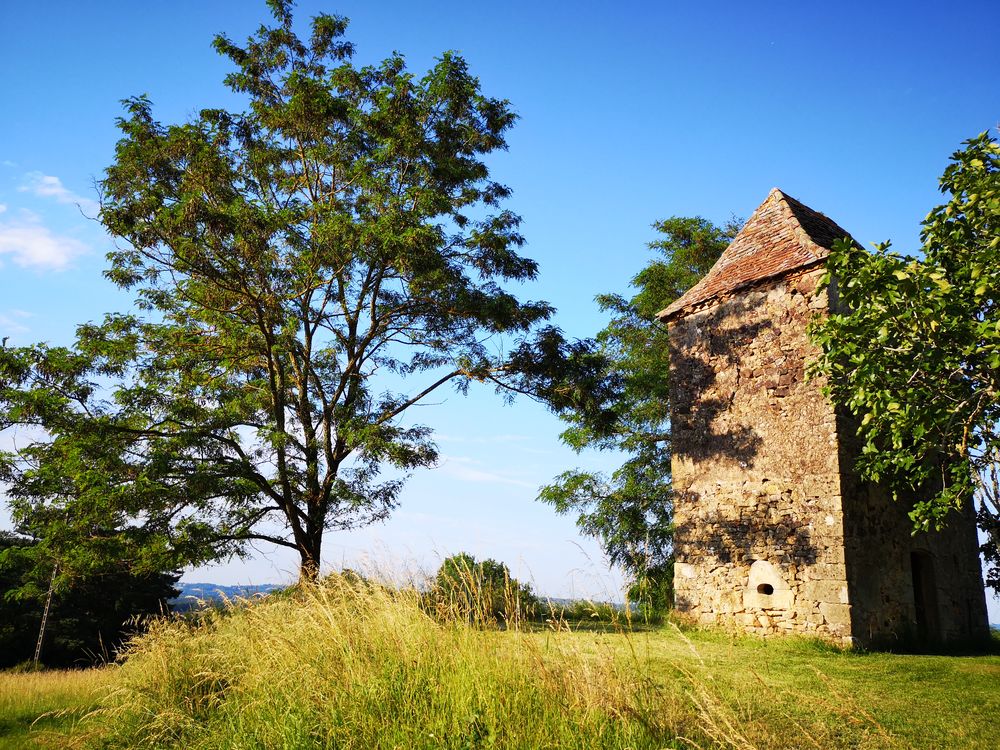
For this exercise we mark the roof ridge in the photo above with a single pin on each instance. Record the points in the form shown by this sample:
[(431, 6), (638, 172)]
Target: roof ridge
[(781, 235), (801, 234), (775, 195)]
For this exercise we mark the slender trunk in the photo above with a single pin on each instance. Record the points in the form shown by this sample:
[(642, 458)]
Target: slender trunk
[(45, 614)]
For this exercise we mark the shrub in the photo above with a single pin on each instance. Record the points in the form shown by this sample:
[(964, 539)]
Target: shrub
[(482, 593)]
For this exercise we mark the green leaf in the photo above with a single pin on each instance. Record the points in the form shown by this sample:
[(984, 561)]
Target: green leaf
[(928, 403)]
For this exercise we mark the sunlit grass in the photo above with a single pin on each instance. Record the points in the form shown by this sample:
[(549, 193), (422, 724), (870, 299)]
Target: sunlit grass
[(347, 664), (351, 665), (37, 708), (800, 693)]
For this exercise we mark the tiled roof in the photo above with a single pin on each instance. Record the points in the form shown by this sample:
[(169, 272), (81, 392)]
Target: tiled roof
[(783, 235)]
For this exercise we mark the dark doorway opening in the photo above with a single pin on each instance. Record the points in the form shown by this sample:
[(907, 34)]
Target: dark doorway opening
[(925, 596)]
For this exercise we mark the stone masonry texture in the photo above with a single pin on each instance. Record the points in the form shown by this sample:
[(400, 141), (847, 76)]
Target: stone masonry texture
[(774, 532)]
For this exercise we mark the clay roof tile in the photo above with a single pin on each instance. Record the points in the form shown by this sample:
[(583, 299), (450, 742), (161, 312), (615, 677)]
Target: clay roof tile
[(781, 236)]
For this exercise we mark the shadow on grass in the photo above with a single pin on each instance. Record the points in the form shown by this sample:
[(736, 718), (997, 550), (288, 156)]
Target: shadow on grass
[(913, 646)]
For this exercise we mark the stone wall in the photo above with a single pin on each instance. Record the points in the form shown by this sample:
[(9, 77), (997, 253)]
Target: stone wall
[(759, 528), (880, 550), (774, 531)]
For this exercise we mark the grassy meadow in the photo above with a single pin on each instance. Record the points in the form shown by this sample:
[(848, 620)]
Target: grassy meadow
[(352, 665), (38, 709)]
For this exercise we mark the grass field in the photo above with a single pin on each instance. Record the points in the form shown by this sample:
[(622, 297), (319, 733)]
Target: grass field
[(349, 666), (798, 693), (38, 709)]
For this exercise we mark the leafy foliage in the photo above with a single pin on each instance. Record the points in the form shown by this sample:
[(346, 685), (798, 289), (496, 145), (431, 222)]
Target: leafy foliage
[(307, 270), (90, 617), (914, 352), (631, 510), (481, 591)]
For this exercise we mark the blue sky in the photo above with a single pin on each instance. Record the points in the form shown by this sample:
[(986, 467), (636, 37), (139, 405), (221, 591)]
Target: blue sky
[(629, 112)]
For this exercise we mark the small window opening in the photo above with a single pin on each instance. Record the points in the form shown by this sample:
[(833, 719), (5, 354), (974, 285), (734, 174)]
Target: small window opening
[(765, 588)]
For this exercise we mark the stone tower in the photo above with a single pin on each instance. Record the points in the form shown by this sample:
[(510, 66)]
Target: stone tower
[(775, 533)]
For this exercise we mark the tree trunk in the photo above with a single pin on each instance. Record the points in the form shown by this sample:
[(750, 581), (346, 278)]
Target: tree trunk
[(309, 555)]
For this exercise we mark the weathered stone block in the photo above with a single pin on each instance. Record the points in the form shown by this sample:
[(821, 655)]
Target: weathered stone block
[(684, 570), (730, 602), (826, 591), (836, 615), (824, 571), (777, 600)]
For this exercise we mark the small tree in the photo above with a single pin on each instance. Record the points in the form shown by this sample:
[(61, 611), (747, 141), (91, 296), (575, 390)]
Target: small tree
[(310, 268), (631, 510), (482, 592), (915, 352)]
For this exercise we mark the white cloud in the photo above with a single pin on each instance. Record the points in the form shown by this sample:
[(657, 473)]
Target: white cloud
[(49, 186), (465, 469), (488, 439), (12, 322), (2, 208), (31, 244)]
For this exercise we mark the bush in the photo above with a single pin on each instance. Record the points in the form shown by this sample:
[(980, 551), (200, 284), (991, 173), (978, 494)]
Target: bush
[(482, 593), (653, 592), (87, 620)]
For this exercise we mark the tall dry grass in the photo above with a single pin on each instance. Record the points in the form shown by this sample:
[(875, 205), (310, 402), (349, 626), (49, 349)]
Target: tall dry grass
[(37, 708), (349, 664)]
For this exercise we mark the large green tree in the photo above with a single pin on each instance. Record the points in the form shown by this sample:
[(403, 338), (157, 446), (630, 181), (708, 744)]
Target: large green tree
[(306, 270), (914, 352), (630, 510)]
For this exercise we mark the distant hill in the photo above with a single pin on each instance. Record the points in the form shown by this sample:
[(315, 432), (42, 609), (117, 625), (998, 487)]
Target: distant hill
[(194, 594)]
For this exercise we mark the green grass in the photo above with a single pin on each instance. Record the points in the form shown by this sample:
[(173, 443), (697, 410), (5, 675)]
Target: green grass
[(354, 666), (346, 665), (800, 693), (37, 709)]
